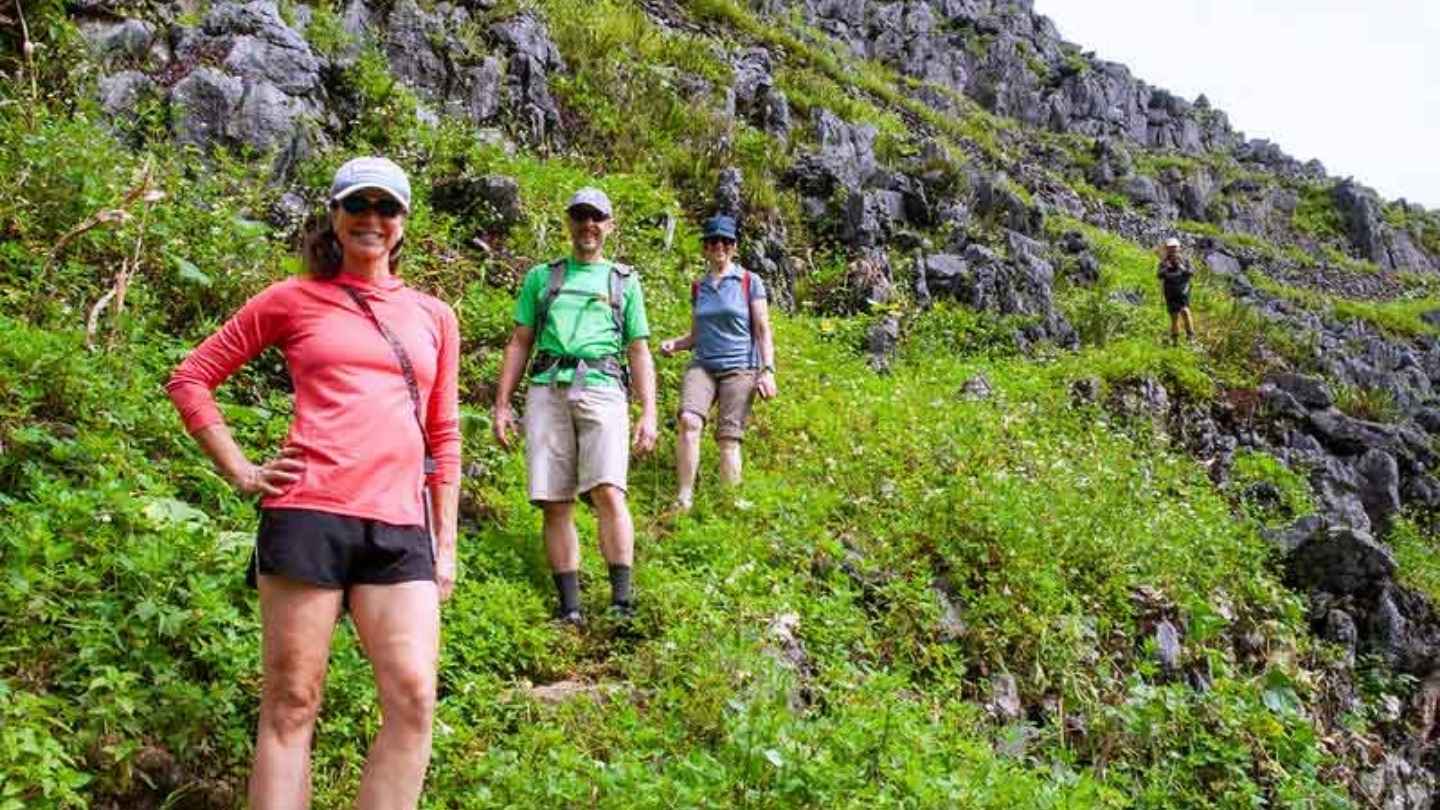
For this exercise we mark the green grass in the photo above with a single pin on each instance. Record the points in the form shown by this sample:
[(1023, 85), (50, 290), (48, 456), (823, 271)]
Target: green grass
[(1370, 404), (1316, 215), (1416, 555), (1400, 317)]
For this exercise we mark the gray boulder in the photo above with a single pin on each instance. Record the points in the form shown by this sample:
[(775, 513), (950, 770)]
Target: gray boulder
[(872, 216), (1360, 212), (843, 161), (881, 341), (1085, 270), (127, 41), (1223, 264), (1337, 487), (977, 387), (476, 91), (121, 92), (493, 198), (1380, 486), (1342, 561), (267, 118), (1312, 392), (995, 197), (1142, 190), (287, 64), (757, 99), (1347, 435), (1292, 537), (204, 104)]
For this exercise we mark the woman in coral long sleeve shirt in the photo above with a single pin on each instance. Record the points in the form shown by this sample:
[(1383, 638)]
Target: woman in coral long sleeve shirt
[(343, 517)]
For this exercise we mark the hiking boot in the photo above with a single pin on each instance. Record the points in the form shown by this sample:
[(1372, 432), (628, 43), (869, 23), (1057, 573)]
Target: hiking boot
[(622, 612), (574, 619)]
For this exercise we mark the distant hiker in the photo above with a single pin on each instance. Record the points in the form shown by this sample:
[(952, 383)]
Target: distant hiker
[(347, 518), (734, 357), (1174, 274), (585, 317)]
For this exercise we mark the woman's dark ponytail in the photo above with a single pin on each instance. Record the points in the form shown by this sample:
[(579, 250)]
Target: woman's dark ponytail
[(320, 250)]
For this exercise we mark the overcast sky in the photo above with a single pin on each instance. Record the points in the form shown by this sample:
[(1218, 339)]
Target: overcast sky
[(1355, 84)]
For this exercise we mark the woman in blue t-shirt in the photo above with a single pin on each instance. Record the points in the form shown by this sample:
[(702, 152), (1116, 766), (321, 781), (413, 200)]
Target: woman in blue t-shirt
[(734, 358)]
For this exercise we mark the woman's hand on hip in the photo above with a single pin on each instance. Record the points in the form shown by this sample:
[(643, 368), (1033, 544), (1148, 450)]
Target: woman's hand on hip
[(274, 476)]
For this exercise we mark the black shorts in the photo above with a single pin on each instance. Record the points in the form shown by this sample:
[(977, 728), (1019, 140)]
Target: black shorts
[(1175, 303), (337, 551)]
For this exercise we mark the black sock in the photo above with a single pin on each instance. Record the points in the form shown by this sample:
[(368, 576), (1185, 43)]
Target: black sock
[(567, 583), (619, 584)]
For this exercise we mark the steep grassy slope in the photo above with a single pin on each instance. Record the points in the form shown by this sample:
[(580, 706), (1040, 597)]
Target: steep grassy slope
[(920, 597)]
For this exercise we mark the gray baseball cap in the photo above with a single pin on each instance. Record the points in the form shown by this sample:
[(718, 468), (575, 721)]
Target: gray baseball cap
[(592, 197), (371, 172)]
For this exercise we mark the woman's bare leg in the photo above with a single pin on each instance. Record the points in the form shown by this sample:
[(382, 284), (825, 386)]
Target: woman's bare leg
[(399, 627), (297, 622)]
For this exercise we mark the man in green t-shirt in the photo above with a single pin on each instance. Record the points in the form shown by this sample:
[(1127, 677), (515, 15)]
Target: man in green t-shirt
[(577, 417)]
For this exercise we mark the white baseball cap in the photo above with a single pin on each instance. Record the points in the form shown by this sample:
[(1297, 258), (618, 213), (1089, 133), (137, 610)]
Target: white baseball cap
[(593, 198), (371, 172), (1172, 242)]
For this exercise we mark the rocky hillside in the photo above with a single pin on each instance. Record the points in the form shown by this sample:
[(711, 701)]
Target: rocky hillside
[(1001, 545)]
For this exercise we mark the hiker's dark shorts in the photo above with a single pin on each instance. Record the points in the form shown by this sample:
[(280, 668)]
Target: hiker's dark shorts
[(1175, 303), (337, 551)]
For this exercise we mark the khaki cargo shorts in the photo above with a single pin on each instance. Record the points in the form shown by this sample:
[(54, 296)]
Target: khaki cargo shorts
[(573, 447), (731, 391)]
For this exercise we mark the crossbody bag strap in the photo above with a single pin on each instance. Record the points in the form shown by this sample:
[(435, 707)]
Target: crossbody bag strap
[(406, 369)]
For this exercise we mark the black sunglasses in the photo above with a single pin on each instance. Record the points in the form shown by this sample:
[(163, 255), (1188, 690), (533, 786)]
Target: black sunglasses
[(387, 207), (582, 213), (710, 240)]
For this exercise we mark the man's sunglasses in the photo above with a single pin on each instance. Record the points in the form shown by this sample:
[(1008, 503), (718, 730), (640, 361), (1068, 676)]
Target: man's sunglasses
[(716, 240), (387, 207), (583, 214)]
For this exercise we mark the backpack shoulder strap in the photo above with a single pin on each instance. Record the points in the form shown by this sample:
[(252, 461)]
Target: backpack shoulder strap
[(619, 273), (694, 292), (552, 289)]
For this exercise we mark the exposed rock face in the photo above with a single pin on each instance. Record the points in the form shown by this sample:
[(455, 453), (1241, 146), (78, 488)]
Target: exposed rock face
[(1371, 236), (533, 56), (1025, 71), (756, 97), (267, 87), (843, 161), (244, 76), (1020, 285)]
